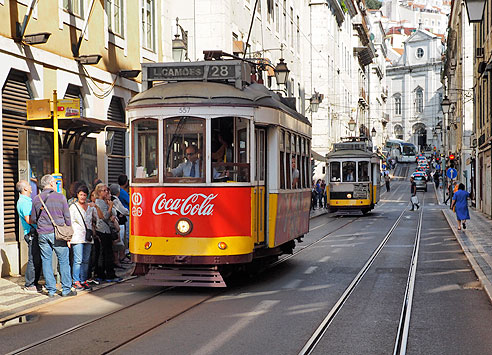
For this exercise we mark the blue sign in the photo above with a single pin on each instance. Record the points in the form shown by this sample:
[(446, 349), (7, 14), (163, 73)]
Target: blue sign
[(452, 173), (438, 167)]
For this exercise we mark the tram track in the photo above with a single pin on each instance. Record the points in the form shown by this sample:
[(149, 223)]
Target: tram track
[(404, 321)]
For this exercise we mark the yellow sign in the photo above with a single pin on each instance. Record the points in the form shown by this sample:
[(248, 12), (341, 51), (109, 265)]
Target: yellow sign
[(68, 108), (38, 109)]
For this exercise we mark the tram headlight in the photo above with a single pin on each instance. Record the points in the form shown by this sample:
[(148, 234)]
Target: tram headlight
[(222, 246), (147, 245), (349, 195), (184, 226)]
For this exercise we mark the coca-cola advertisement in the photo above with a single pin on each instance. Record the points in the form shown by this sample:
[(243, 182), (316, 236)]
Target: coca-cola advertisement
[(214, 212)]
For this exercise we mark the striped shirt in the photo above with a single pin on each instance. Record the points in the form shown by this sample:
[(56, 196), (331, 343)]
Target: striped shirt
[(58, 207)]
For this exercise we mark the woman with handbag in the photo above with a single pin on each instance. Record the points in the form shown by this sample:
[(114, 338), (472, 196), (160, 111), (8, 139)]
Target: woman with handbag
[(105, 218), (82, 214)]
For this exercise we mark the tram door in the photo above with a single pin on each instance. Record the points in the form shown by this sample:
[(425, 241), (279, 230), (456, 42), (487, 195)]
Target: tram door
[(259, 201)]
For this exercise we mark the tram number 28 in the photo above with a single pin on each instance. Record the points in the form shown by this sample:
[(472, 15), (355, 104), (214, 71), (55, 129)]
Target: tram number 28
[(221, 71)]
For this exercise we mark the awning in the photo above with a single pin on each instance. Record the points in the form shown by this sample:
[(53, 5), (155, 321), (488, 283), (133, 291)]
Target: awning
[(95, 125), (317, 156), (77, 129)]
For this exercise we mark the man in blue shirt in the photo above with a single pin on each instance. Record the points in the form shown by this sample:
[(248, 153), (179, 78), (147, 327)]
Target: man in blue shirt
[(124, 197), (24, 208)]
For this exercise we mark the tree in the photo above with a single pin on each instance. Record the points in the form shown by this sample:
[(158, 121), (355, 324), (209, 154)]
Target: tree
[(373, 4)]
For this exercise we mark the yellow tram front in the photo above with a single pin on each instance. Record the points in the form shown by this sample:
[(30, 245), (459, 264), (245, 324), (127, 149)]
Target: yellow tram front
[(219, 174), (354, 177)]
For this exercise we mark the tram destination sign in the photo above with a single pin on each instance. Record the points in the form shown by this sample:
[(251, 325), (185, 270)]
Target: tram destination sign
[(169, 72)]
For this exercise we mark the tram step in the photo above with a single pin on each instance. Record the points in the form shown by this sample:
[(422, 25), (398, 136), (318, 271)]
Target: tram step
[(348, 213), (185, 277)]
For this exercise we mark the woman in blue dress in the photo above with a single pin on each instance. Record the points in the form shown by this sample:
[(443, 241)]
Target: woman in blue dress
[(460, 201)]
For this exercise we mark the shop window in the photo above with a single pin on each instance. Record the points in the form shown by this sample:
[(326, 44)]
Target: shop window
[(145, 153)]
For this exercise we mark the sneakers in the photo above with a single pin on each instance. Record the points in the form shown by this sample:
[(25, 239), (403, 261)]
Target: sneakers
[(94, 281), (51, 295), (71, 293), (86, 286), (418, 206), (78, 286), (464, 225), (31, 289)]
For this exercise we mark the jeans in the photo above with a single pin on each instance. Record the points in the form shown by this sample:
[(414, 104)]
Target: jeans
[(33, 269), (48, 244), (81, 257)]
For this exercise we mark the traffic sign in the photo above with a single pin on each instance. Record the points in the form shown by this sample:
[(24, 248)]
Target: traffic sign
[(452, 173)]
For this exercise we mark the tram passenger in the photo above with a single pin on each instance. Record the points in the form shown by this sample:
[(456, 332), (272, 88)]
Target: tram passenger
[(295, 174)]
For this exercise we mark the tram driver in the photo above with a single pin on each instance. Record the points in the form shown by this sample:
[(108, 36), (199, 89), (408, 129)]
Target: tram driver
[(192, 167)]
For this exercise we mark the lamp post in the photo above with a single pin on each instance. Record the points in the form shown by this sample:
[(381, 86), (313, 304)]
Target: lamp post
[(315, 100), (351, 124), (373, 132), (281, 72)]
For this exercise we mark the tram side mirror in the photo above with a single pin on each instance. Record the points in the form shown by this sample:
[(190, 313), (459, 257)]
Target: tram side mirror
[(109, 142)]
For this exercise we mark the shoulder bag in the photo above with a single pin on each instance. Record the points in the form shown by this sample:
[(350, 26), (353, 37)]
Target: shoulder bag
[(62, 232), (88, 232)]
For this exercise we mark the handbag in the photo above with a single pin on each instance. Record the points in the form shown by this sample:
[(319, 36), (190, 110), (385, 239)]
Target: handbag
[(415, 200), (115, 235), (88, 232), (62, 232)]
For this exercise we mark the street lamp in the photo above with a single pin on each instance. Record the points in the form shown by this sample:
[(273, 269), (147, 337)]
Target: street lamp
[(315, 100), (281, 72), (446, 105), (438, 128), (351, 125), (180, 43), (475, 9), (373, 132)]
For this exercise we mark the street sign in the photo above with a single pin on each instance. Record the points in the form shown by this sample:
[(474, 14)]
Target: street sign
[(452, 173), (438, 167), (68, 108), (38, 109)]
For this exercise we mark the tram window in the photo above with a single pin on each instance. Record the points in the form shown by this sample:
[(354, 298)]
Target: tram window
[(335, 171), (363, 172), (348, 171), (282, 170), (183, 152), (229, 146), (145, 152)]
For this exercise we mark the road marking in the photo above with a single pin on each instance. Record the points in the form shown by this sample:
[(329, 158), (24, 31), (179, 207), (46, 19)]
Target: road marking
[(310, 270), (324, 259), (318, 227), (293, 284), (244, 319)]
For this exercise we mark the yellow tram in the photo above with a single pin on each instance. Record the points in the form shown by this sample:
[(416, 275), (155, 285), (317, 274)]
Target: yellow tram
[(354, 177), (220, 173)]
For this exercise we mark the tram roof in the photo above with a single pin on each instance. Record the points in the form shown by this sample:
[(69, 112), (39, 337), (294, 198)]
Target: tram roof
[(212, 93), (350, 154)]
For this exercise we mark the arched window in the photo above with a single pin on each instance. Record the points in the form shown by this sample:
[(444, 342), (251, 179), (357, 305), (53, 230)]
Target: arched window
[(397, 105), (419, 100), (398, 131)]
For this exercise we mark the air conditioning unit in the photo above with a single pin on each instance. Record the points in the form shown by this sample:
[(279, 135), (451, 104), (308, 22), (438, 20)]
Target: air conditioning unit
[(479, 52)]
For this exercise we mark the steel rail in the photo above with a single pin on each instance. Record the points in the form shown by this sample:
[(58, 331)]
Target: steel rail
[(323, 327), (404, 324)]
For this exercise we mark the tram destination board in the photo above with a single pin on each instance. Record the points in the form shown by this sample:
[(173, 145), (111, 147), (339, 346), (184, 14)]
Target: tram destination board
[(192, 72), (361, 191)]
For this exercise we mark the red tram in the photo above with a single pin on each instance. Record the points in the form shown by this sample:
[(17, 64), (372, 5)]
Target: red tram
[(220, 173)]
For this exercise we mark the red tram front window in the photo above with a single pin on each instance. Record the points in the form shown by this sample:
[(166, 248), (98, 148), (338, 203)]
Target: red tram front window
[(184, 149), (145, 153)]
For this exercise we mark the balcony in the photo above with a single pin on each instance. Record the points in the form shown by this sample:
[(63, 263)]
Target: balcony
[(363, 100)]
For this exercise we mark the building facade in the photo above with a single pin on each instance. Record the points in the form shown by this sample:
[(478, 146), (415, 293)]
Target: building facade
[(415, 90)]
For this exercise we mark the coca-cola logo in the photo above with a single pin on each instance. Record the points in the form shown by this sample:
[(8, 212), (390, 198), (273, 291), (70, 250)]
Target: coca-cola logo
[(195, 204)]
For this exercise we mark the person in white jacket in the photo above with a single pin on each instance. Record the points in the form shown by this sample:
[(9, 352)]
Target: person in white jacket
[(82, 213)]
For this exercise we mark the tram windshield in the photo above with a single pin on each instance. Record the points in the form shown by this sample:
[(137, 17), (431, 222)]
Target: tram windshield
[(348, 171), (184, 148), (145, 149), (335, 171), (363, 171)]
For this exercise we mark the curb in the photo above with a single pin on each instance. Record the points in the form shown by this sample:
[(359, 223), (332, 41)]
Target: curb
[(486, 284)]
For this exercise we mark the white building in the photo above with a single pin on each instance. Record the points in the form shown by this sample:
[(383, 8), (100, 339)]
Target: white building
[(415, 90)]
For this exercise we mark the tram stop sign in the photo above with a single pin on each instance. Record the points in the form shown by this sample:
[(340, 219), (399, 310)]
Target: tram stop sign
[(452, 173)]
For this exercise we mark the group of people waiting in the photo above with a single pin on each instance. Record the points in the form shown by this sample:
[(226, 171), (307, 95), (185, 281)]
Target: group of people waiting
[(318, 195), (99, 243)]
